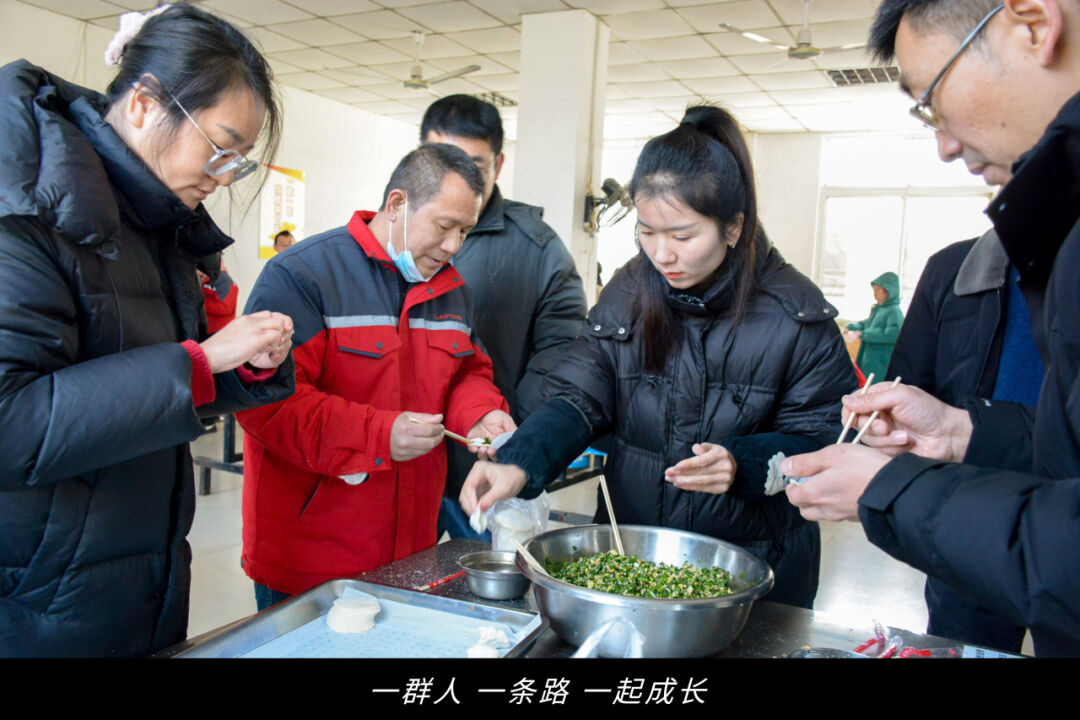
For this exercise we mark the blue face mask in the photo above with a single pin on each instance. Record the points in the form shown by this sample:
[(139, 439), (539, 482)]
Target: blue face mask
[(403, 260)]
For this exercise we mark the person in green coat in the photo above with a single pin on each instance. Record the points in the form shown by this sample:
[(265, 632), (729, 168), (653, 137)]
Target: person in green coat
[(879, 331)]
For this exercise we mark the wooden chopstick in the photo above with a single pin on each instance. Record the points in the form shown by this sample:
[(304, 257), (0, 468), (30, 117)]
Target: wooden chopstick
[(851, 417), (533, 563), (873, 417), (452, 435), (611, 517)]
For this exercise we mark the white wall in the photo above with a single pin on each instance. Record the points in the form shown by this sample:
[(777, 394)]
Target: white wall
[(788, 167), (72, 49)]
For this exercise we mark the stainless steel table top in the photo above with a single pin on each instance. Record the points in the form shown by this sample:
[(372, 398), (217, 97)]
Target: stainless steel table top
[(773, 629)]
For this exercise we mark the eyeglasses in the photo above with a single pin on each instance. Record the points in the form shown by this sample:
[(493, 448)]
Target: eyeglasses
[(921, 110), (222, 161)]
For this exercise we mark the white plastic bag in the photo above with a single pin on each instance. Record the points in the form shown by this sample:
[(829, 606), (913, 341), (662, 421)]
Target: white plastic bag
[(519, 519), (617, 638)]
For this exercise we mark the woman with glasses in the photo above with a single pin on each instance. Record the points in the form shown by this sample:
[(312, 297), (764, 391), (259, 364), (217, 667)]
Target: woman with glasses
[(705, 356), (105, 363)]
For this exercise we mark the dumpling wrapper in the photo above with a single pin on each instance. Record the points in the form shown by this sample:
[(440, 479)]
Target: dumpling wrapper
[(352, 614), (478, 521)]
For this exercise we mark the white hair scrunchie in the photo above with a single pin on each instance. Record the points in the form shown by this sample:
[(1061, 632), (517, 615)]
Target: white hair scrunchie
[(130, 24)]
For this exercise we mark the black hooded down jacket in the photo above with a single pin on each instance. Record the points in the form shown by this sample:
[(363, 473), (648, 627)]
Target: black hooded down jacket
[(97, 290), (771, 384)]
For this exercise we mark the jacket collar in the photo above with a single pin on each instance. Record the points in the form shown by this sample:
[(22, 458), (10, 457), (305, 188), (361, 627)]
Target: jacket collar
[(361, 232), (1035, 211), (772, 275), (358, 228), (491, 219), (715, 300), (984, 268)]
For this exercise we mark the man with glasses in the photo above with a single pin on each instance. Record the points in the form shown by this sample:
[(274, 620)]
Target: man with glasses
[(998, 84)]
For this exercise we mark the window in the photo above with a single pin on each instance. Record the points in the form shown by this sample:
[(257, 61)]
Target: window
[(888, 204)]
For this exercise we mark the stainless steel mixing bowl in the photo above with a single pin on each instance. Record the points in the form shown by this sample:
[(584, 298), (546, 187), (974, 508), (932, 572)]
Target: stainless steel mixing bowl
[(672, 628)]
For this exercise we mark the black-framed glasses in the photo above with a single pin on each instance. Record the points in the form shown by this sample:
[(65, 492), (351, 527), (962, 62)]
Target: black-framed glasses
[(921, 110), (222, 161)]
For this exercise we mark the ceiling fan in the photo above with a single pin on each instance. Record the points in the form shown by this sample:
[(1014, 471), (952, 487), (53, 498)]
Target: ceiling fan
[(804, 48), (416, 77)]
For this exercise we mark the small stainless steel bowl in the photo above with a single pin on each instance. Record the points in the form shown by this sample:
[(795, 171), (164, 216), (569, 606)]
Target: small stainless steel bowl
[(493, 575)]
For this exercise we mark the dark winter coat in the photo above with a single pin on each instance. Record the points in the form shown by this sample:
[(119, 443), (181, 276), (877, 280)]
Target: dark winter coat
[(950, 343), (528, 306), (950, 346), (771, 384), (97, 289), (1008, 536)]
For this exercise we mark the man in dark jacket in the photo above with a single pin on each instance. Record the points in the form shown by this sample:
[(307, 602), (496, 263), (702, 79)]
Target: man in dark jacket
[(968, 335), (528, 298), (1002, 527), (950, 343)]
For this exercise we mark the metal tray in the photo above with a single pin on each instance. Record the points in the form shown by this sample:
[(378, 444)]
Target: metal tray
[(247, 635)]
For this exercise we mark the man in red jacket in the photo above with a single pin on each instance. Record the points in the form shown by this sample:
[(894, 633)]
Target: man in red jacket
[(347, 475), (219, 298)]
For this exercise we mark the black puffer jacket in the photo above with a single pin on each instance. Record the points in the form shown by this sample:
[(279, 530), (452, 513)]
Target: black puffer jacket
[(97, 289), (773, 383)]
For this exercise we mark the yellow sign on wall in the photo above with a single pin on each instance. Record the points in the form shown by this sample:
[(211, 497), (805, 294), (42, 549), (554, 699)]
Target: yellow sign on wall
[(282, 207)]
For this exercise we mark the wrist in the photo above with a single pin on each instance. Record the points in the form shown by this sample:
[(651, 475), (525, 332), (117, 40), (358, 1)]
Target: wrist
[(520, 480), (959, 434), (202, 374), (210, 358)]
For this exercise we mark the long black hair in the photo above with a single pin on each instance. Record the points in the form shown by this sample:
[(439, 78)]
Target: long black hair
[(195, 58), (705, 164)]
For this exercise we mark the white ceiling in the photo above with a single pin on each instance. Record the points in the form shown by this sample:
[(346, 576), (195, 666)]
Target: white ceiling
[(664, 55)]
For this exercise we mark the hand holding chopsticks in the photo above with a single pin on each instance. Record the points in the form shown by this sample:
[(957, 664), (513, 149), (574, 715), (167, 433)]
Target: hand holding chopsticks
[(914, 422), (414, 434), (447, 433), (851, 417), (873, 417)]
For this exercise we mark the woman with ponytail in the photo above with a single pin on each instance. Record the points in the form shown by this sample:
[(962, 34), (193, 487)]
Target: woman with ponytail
[(105, 362), (706, 355)]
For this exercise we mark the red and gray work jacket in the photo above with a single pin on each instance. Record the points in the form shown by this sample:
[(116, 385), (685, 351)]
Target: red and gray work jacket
[(368, 347)]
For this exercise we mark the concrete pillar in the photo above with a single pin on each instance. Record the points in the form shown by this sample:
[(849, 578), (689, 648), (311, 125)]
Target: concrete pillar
[(561, 125)]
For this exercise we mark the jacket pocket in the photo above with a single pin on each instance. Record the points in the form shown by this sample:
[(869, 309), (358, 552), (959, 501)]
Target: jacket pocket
[(452, 342), (373, 342)]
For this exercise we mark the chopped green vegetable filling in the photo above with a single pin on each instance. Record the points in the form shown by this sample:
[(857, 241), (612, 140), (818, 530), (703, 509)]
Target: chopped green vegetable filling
[(629, 575)]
